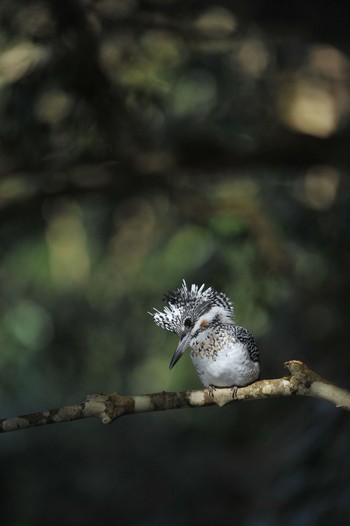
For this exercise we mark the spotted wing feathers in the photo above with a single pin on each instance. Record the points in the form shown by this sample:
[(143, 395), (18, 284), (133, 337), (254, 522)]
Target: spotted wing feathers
[(245, 337)]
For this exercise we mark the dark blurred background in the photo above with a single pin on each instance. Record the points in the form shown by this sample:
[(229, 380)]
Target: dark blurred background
[(143, 142)]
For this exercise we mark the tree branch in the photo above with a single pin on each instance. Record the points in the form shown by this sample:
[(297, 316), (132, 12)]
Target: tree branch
[(108, 407)]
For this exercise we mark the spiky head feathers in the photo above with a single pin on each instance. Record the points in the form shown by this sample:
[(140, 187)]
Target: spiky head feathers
[(189, 305)]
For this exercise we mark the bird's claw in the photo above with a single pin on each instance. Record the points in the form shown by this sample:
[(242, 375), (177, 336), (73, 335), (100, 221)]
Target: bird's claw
[(212, 389), (234, 390)]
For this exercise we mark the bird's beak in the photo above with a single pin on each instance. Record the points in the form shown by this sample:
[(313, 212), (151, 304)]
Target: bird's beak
[(181, 348)]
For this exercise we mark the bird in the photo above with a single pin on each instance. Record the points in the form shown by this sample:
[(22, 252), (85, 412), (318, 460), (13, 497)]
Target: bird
[(223, 353)]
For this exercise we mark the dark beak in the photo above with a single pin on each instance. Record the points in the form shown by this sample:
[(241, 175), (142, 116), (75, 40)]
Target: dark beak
[(181, 348)]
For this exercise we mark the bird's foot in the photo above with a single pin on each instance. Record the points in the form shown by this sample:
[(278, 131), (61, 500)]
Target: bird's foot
[(221, 395), (212, 389), (234, 390)]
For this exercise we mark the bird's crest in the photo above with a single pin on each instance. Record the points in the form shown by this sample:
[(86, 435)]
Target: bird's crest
[(192, 302)]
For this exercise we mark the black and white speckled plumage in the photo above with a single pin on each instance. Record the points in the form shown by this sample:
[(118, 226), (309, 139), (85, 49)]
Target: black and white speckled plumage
[(193, 303), (224, 354), (246, 337)]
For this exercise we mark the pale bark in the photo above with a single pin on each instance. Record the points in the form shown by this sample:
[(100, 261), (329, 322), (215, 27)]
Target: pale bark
[(108, 407)]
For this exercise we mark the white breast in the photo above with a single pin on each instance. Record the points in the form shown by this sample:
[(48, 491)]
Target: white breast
[(223, 361)]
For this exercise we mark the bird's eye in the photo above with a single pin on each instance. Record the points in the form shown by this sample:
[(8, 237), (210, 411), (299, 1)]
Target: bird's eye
[(188, 322)]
